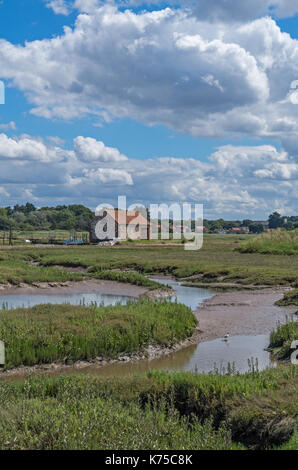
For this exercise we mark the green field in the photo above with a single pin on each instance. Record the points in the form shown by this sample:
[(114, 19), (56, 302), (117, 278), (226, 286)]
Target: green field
[(156, 411), (218, 261)]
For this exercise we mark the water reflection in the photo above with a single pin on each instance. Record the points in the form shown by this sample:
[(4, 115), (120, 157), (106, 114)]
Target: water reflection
[(202, 358), (190, 296), (25, 300)]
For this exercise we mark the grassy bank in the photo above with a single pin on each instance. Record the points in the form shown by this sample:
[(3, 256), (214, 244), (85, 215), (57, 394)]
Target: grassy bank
[(134, 278), (156, 411), (290, 298), (280, 243), (282, 337), (66, 333), (19, 271)]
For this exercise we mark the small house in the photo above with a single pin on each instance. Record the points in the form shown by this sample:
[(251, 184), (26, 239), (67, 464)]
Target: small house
[(116, 224)]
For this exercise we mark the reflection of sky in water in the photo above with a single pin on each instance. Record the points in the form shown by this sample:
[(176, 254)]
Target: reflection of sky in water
[(190, 296), (17, 300), (204, 357), (237, 350)]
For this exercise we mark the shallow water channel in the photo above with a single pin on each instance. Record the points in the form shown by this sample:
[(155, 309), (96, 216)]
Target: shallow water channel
[(206, 357)]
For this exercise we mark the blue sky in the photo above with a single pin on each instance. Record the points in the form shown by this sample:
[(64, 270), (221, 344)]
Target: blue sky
[(165, 102)]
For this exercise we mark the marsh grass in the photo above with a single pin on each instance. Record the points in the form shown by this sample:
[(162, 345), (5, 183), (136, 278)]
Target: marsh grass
[(179, 410), (282, 337), (67, 333), (19, 271), (216, 262), (278, 242), (134, 278), (289, 298), (90, 423)]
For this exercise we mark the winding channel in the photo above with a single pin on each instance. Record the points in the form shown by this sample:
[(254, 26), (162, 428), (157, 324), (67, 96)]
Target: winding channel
[(206, 356)]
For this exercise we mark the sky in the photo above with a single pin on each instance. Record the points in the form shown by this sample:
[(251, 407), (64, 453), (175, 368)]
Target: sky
[(164, 102)]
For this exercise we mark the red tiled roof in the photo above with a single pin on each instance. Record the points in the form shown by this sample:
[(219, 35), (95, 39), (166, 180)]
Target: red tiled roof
[(127, 217)]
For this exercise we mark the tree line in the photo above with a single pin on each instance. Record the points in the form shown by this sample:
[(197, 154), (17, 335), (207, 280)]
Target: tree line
[(274, 221), (78, 217), (28, 217)]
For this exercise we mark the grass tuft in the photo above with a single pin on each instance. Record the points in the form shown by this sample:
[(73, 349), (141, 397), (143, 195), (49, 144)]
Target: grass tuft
[(278, 243)]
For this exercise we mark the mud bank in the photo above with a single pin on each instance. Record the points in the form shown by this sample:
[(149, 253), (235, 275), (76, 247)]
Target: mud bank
[(242, 313), (86, 286), (151, 352)]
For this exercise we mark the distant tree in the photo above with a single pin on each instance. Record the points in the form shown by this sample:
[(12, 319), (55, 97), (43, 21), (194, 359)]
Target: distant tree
[(215, 225), (9, 211), (83, 216), (79, 209), (65, 219), (18, 221), (82, 224), (4, 220), (29, 208), (256, 228), (289, 225), (24, 209), (275, 220), (247, 222)]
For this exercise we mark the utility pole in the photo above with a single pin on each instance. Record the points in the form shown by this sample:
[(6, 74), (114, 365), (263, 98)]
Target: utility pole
[(2, 354), (10, 235)]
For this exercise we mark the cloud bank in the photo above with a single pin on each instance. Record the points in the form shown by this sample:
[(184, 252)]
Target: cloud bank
[(234, 181)]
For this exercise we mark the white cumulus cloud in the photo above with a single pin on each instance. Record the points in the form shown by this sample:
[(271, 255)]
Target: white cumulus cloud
[(60, 7), (236, 181), (89, 149)]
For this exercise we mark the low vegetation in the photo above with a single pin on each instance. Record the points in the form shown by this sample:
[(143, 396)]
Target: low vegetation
[(290, 298), (134, 278), (156, 411), (66, 333), (282, 338), (278, 242), (216, 262), (17, 271), (74, 415)]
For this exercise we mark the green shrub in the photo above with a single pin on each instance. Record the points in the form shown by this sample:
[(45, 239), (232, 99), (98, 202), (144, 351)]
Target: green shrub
[(276, 242)]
